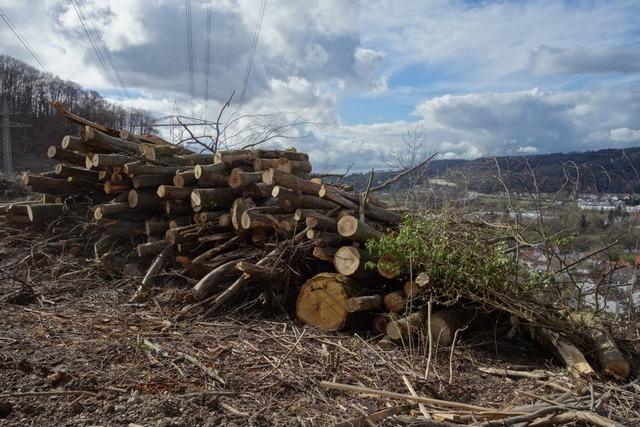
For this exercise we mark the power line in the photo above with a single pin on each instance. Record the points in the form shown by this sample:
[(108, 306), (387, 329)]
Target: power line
[(187, 10), (24, 42), (226, 67), (207, 56), (252, 52), (107, 54), (96, 50)]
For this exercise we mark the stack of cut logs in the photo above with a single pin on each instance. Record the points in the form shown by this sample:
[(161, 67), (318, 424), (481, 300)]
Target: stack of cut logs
[(243, 223)]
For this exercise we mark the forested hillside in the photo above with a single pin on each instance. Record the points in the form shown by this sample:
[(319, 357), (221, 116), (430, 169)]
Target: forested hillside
[(29, 94), (609, 170)]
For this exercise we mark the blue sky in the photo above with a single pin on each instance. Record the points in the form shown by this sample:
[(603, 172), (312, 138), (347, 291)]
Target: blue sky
[(473, 77)]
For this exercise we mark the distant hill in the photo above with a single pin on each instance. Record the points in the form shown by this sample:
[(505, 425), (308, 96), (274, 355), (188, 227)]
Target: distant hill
[(29, 94), (601, 171)]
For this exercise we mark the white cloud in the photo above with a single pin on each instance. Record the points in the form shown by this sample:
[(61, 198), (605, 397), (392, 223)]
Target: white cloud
[(624, 135)]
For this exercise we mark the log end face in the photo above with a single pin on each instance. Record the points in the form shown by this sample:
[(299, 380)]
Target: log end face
[(322, 302), (347, 260)]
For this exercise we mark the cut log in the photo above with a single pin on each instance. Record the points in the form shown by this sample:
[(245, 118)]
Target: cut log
[(214, 198), (290, 201), (114, 187), (372, 211), (101, 161), (184, 179), (176, 207), (42, 212), (155, 228), (143, 200), (239, 179), (388, 266), (170, 192), (224, 221), (322, 301), (253, 218), (259, 191), (66, 156), (74, 143), (180, 221), (238, 207), (324, 238), (197, 159), (138, 168), (203, 171), (207, 284), (411, 289), (380, 321), (65, 171), (404, 328), (41, 184), (445, 323), (350, 261), (609, 356), (569, 353), (317, 221), (353, 229), (395, 302), (103, 211), (187, 233), (325, 253), (286, 154), (423, 280), (144, 181), (208, 216), (151, 248), (292, 182), (102, 141), (299, 168), (217, 237), (364, 303)]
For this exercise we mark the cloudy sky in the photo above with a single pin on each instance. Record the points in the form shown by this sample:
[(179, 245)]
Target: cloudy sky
[(474, 77)]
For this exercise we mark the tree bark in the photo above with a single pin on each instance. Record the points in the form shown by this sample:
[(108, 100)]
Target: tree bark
[(66, 156)]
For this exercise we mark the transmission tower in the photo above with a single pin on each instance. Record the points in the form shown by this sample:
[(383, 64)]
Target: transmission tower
[(6, 137)]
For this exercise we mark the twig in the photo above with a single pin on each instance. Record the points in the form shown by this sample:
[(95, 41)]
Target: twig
[(283, 357), (403, 173), (48, 393)]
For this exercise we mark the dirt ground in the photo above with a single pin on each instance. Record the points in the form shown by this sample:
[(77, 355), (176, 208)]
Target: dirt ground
[(74, 352)]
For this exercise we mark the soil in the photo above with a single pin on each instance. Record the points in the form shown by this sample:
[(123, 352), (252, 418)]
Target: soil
[(69, 336)]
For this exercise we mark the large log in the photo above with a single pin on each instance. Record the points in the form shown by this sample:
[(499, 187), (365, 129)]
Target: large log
[(82, 121), (102, 141), (42, 212), (214, 198), (292, 182), (322, 301), (115, 187), (176, 207), (353, 229), (324, 238), (205, 172), (66, 156)]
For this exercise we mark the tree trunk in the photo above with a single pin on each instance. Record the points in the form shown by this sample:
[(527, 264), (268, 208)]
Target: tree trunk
[(185, 179)]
